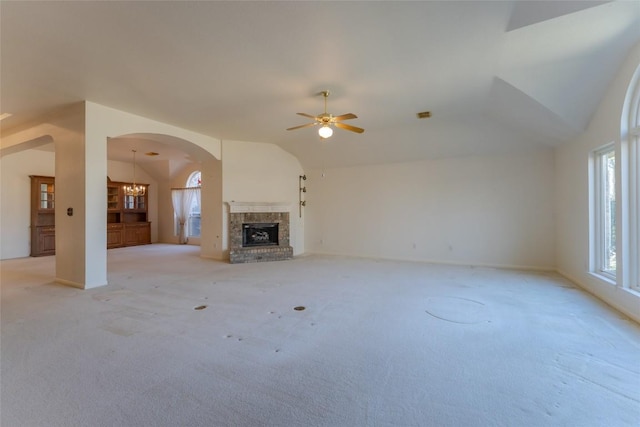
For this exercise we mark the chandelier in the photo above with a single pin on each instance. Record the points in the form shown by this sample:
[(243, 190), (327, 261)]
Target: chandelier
[(133, 189)]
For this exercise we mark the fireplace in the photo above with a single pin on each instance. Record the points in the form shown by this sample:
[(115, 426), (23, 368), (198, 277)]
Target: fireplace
[(259, 232)]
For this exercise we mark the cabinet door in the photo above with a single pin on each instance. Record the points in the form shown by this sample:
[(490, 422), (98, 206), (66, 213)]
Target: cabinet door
[(137, 234), (144, 234), (45, 241), (141, 202), (47, 195), (129, 202), (135, 203), (114, 236), (130, 235)]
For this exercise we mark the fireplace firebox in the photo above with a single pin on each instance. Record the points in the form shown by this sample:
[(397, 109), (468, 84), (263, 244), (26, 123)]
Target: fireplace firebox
[(260, 234)]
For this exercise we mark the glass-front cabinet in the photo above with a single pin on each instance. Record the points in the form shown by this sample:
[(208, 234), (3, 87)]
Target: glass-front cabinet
[(136, 228), (135, 202), (47, 194), (43, 231)]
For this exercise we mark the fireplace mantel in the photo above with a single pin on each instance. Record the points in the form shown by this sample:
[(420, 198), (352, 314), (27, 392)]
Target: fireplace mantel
[(243, 207)]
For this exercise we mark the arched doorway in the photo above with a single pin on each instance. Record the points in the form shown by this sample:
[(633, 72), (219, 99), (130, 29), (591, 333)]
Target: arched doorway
[(168, 162)]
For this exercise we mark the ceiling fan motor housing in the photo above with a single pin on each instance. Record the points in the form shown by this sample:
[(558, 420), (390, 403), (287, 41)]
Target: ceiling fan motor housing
[(325, 118)]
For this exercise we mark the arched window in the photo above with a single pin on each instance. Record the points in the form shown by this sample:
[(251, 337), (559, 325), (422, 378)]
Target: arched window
[(630, 173), (615, 236), (193, 224), (186, 208)]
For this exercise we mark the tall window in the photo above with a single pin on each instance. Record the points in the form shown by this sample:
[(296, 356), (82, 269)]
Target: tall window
[(605, 212), (634, 204), (192, 217), (631, 274), (615, 236), (193, 224)]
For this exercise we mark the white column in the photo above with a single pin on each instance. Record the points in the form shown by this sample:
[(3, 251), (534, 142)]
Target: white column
[(211, 209), (81, 207)]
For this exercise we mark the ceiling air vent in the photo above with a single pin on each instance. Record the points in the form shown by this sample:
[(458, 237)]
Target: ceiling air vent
[(424, 115)]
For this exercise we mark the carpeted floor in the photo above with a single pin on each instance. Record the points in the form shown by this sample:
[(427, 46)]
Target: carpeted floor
[(175, 340)]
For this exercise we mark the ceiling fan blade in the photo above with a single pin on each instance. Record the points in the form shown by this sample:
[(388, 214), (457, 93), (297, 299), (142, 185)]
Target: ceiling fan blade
[(306, 115), (303, 126), (347, 116), (349, 127)]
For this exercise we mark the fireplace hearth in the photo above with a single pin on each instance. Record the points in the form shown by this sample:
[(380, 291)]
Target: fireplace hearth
[(258, 232)]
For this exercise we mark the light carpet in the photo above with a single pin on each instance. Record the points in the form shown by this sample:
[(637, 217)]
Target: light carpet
[(378, 343)]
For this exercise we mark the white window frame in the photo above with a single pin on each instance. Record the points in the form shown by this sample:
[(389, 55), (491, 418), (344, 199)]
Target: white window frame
[(631, 192), (600, 223), (628, 192), (189, 183), (633, 244)]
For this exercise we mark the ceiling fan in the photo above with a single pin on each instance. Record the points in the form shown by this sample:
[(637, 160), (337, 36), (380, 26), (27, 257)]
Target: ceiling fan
[(326, 120)]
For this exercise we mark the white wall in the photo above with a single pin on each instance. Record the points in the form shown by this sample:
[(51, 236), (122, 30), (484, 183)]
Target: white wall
[(15, 207), (494, 210), (260, 172), (572, 162)]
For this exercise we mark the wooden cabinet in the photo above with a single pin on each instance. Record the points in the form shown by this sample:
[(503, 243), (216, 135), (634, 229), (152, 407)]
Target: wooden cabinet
[(43, 233), (115, 236), (130, 225), (127, 216), (137, 234)]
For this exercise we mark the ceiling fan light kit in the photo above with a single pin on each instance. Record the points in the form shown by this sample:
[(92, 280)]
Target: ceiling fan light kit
[(327, 120), (325, 131)]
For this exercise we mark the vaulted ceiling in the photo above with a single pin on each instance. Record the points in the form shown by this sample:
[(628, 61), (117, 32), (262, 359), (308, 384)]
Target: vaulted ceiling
[(496, 75)]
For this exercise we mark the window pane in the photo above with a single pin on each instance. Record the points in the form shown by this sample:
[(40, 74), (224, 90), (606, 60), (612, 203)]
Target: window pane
[(193, 222), (194, 225), (194, 180), (608, 167)]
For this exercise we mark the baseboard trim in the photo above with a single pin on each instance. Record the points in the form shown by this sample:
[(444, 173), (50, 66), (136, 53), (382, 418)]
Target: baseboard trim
[(602, 296), (440, 262)]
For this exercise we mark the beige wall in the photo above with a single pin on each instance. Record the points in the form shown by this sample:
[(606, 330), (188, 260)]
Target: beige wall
[(15, 193), (494, 210)]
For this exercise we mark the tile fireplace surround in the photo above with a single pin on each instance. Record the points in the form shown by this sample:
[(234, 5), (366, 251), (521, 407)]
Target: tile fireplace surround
[(250, 212)]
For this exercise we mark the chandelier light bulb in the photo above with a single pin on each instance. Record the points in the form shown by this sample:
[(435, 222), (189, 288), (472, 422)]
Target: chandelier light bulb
[(325, 131)]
